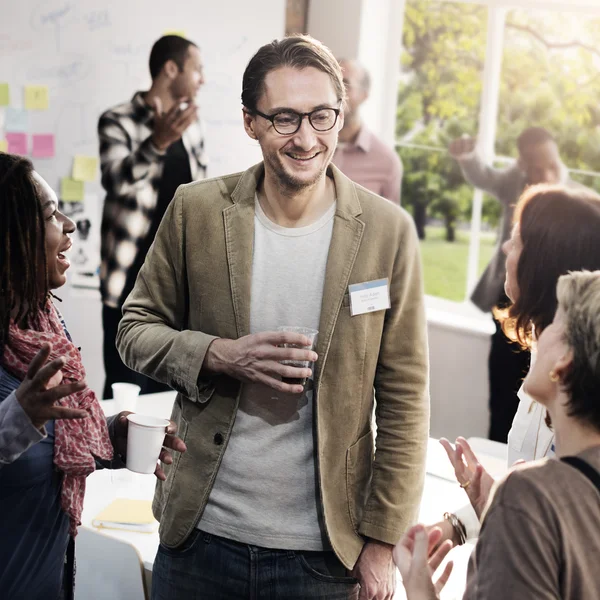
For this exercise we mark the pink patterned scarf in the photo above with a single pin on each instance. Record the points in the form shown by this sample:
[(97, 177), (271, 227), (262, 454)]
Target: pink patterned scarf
[(77, 441)]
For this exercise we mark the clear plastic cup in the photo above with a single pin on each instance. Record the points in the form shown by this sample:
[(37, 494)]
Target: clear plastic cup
[(145, 437), (125, 396), (311, 334)]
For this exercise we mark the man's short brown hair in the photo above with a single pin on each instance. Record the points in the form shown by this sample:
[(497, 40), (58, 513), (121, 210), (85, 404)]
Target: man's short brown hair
[(298, 52)]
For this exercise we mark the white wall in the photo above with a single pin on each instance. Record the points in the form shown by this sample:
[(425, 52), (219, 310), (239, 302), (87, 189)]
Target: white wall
[(369, 31), (379, 48), (458, 381), (82, 310), (337, 24)]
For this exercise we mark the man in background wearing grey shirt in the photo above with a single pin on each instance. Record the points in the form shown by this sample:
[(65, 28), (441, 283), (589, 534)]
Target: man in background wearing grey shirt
[(283, 494)]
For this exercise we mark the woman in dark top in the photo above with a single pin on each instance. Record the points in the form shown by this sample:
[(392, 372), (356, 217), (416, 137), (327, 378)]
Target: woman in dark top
[(42, 482)]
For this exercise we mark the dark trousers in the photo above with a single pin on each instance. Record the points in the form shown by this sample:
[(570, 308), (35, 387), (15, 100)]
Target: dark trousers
[(508, 365), (208, 567), (114, 367)]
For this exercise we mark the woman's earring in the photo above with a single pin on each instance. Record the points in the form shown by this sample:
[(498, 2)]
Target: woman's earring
[(553, 376)]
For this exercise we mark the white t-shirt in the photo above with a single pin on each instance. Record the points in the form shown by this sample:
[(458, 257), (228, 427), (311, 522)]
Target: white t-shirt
[(265, 492)]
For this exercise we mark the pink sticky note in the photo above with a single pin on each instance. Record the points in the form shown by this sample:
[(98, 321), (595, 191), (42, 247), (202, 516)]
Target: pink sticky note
[(43, 145), (17, 143)]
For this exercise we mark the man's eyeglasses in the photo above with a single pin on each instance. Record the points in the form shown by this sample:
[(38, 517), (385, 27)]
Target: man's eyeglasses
[(288, 122)]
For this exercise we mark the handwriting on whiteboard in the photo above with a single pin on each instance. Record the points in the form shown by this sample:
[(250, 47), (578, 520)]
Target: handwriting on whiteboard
[(53, 15), (98, 19), (66, 69), (10, 43)]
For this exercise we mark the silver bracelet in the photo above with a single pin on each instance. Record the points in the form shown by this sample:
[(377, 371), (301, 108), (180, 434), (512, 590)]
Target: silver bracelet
[(458, 527)]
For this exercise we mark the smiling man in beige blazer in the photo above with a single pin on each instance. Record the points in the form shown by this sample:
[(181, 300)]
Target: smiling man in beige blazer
[(281, 493)]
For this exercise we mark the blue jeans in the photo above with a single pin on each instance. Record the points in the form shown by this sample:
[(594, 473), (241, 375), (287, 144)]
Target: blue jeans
[(208, 567)]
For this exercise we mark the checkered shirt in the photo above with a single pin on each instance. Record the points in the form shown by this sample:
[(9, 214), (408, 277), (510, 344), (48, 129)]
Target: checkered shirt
[(131, 169)]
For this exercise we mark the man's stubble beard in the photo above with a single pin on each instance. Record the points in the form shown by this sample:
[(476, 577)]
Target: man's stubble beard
[(287, 183)]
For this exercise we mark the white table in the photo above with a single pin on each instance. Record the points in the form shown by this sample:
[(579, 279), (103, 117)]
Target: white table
[(441, 493)]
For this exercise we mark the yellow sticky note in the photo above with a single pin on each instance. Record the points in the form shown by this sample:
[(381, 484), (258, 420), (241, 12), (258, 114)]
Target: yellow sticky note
[(85, 168), (71, 190), (3, 146), (36, 97), (179, 32), (4, 94)]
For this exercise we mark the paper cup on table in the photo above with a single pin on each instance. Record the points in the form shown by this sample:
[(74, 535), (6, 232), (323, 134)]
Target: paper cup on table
[(125, 396), (145, 438)]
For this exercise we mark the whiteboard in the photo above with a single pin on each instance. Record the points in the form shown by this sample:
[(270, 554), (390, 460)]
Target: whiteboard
[(93, 54)]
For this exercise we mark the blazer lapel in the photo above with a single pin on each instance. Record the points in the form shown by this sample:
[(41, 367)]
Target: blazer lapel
[(238, 221), (345, 243)]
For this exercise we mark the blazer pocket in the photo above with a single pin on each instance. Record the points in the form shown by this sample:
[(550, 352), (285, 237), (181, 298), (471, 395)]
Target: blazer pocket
[(163, 488), (359, 471)]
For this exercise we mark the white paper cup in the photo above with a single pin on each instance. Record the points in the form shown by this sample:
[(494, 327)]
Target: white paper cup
[(125, 396), (145, 438)]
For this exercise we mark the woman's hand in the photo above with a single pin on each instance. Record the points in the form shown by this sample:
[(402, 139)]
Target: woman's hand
[(473, 478), (447, 533), (171, 442), (417, 560), (41, 388)]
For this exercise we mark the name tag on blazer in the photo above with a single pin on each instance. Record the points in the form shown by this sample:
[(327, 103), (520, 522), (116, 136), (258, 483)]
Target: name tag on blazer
[(369, 296)]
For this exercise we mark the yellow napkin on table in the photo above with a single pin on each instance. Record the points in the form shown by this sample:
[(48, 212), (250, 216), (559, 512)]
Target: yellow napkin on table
[(131, 515)]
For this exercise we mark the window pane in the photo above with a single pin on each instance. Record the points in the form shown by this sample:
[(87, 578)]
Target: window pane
[(550, 79), (438, 100), (589, 180), (441, 204)]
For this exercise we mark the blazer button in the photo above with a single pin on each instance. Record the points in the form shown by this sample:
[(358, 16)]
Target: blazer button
[(218, 439)]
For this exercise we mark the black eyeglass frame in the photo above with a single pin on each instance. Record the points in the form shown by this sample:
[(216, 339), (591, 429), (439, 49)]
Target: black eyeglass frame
[(301, 115)]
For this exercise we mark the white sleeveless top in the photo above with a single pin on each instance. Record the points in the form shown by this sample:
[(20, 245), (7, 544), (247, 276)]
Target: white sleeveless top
[(529, 437)]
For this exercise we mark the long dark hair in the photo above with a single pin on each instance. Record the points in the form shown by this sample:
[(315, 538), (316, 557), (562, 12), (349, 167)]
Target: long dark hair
[(560, 231), (23, 277)]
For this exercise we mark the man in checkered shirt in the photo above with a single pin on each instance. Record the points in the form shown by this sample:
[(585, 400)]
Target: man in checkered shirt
[(148, 147)]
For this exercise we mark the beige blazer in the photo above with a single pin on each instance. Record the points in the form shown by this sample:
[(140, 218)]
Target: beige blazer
[(195, 285)]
